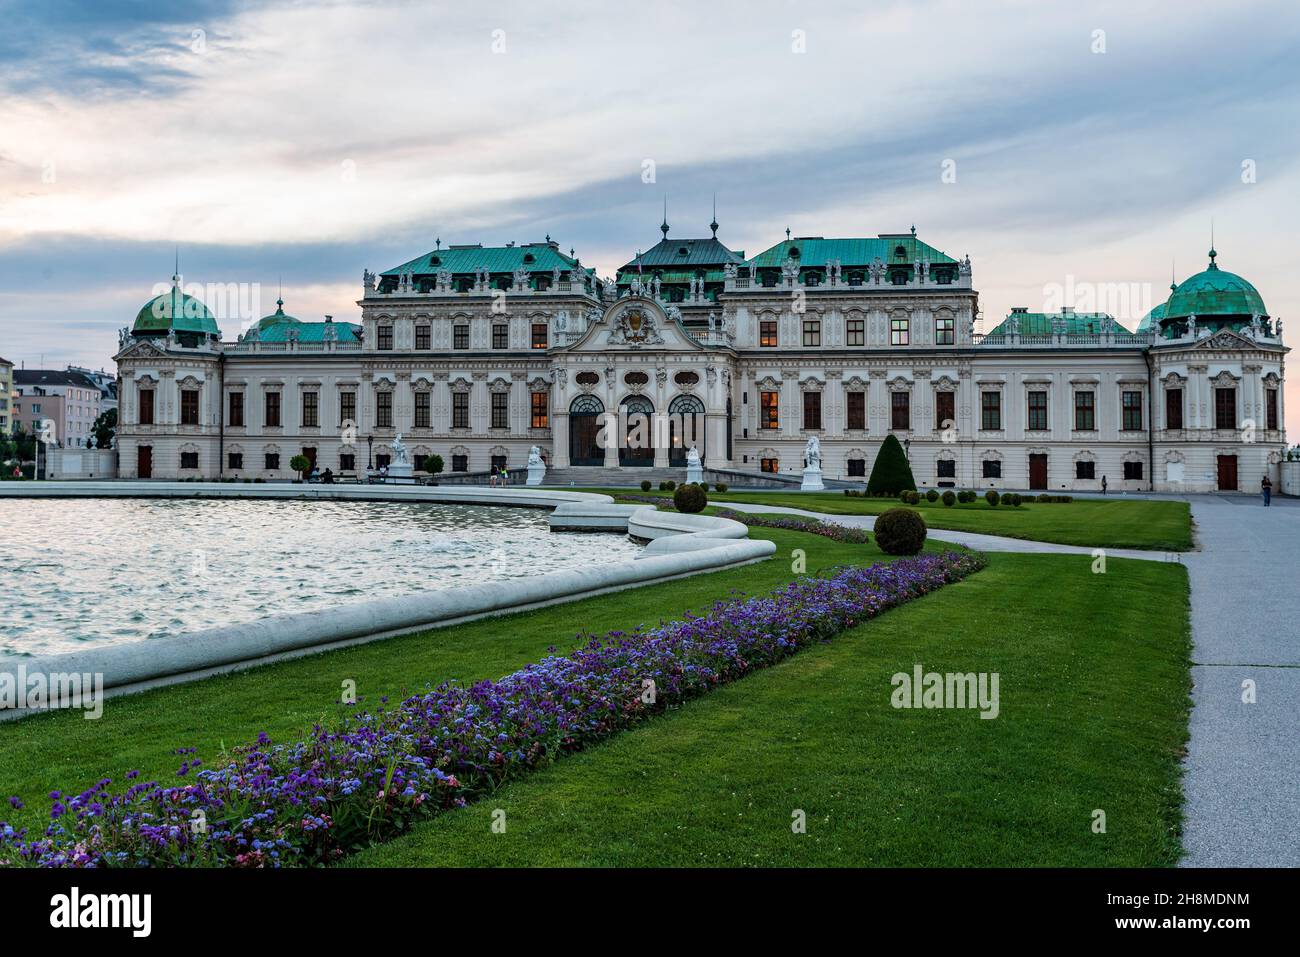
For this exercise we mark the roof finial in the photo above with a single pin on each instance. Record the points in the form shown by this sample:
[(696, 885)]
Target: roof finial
[(1212, 265), (176, 273), (1173, 271), (438, 243), (663, 227), (914, 230), (787, 234), (714, 225)]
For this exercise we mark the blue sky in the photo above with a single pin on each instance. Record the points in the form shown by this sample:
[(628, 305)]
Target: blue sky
[(303, 142)]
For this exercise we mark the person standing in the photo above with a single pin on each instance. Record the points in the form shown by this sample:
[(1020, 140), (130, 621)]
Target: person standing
[(1266, 486), (1104, 484)]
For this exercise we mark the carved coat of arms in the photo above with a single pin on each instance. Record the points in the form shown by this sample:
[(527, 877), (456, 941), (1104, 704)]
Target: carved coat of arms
[(635, 326)]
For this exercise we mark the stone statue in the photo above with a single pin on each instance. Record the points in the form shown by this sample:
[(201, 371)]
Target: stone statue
[(713, 322), (1191, 325), (367, 279), (693, 458), (812, 453), (399, 450)]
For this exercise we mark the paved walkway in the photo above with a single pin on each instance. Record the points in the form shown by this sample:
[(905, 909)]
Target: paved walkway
[(984, 543), (1243, 763)]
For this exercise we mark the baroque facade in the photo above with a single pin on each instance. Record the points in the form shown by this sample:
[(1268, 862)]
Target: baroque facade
[(476, 354)]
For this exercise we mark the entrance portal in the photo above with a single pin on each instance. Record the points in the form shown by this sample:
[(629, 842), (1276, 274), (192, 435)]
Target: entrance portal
[(685, 428), (1227, 473), (585, 414), (637, 448)]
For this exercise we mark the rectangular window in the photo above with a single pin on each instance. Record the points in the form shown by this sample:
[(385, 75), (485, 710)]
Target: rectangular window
[(1173, 408), (857, 467), (1225, 408), (539, 335), (497, 463), (541, 418), (812, 332), (235, 415), (992, 468), (500, 336), (422, 336), (1133, 471), (421, 410), (769, 404), (460, 410), (1131, 402), (1036, 421), (812, 410), (347, 461), (383, 410), (1085, 470), (460, 463), (945, 331), (189, 460), (857, 410), (900, 411), (348, 407), (1270, 409), (235, 461), (311, 410), (990, 411), (189, 406), (898, 332), (769, 465), (382, 460), (385, 334), (500, 410), (946, 468), (855, 332), (945, 410), (460, 336), (272, 461), (271, 403), (767, 334), (1085, 412)]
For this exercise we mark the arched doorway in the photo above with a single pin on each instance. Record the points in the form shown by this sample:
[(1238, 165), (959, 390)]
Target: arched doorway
[(584, 431), (685, 428), (637, 450)]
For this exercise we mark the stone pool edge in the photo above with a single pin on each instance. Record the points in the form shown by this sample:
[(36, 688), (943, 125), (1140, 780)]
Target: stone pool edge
[(678, 546)]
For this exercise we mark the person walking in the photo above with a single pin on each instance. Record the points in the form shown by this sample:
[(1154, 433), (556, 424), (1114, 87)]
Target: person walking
[(1266, 486), (1104, 485)]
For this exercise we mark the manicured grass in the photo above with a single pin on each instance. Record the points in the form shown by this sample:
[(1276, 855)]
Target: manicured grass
[(1093, 679), (64, 751), (1094, 699), (1136, 523)]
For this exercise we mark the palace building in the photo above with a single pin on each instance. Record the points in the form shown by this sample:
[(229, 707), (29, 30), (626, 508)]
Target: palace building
[(476, 354)]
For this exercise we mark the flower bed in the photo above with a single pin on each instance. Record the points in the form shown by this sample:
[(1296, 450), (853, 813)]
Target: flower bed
[(801, 523), (311, 801)]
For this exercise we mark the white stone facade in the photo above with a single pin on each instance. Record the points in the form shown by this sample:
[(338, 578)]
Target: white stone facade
[(480, 376)]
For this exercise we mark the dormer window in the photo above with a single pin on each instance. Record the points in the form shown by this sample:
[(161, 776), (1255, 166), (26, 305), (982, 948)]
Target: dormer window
[(529, 258), (900, 252), (435, 261), (794, 252)]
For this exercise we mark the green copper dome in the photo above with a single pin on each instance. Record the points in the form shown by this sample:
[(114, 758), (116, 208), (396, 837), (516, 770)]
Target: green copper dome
[(174, 310), (1214, 292), (278, 316)]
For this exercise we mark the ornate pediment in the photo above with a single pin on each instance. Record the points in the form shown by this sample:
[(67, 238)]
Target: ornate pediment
[(635, 325), (1225, 339), (142, 349)]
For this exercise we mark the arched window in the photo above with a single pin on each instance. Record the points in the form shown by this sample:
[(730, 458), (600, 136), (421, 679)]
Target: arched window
[(685, 428), (586, 405)]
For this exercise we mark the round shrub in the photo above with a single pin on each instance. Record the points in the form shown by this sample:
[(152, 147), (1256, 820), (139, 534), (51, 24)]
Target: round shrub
[(645, 485), (991, 496), (949, 498), (671, 485), (913, 498), (932, 495), (704, 485), (1015, 499), (721, 486), (690, 498), (900, 531)]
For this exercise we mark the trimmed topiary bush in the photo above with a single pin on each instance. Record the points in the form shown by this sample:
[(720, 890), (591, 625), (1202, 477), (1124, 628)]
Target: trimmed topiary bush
[(891, 472), (913, 498), (722, 486), (900, 531), (690, 498), (671, 485), (704, 485), (932, 495), (1016, 499), (645, 485), (991, 496), (949, 497), (904, 495)]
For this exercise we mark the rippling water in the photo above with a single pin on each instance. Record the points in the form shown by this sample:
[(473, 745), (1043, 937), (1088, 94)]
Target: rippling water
[(81, 572)]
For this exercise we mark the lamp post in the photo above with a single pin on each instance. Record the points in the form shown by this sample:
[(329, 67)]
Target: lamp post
[(370, 452)]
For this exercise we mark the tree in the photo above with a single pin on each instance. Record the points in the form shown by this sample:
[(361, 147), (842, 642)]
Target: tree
[(433, 464), (891, 473), (104, 428), (300, 464)]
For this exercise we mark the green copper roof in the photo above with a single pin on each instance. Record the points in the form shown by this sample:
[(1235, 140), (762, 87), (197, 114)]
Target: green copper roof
[(1214, 292), (675, 254), (1152, 319), (1076, 324), (278, 316), (816, 251), (291, 328), (533, 257), (174, 310)]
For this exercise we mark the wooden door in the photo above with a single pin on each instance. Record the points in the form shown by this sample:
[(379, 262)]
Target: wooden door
[(1227, 473), (144, 461), (1038, 471)]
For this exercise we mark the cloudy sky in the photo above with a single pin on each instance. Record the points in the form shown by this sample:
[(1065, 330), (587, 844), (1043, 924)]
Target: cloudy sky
[(1089, 146)]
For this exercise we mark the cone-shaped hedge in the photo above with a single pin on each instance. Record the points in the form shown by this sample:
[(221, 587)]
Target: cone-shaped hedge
[(891, 473)]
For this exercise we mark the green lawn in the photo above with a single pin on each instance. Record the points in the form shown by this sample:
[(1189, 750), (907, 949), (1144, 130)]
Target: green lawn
[(1136, 523), (1094, 684)]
